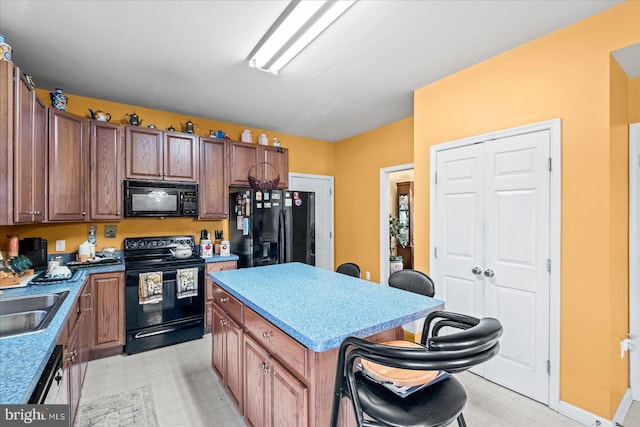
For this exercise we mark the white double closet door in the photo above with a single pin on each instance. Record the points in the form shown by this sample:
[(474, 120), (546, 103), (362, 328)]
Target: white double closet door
[(492, 250)]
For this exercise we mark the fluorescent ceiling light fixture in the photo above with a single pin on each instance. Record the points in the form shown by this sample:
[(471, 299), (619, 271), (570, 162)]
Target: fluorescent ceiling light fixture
[(300, 23)]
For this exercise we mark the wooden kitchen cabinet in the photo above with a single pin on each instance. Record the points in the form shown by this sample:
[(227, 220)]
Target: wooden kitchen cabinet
[(241, 157), (68, 161), (107, 171), (152, 154), (209, 292), (76, 347), (273, 396), (214, 179), (227, 357), (279, 158), (108, 314), (23, 142)]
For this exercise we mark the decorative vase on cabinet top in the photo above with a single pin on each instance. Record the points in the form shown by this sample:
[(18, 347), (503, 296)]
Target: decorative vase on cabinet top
[(59, 99), (263, 140), (247, 136), (5, 50)]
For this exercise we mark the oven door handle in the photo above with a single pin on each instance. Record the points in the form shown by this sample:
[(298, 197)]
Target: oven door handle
[(158, 332)]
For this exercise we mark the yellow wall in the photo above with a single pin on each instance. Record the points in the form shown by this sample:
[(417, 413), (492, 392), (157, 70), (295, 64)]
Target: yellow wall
[(564, 75), (619, 228), (306, 155), (634, 100), (357, 197)]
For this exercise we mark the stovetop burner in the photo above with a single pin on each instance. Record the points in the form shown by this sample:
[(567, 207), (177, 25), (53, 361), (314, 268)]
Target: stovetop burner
[(155, 252)]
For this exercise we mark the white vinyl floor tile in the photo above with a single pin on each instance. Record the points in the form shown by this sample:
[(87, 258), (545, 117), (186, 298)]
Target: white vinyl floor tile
[(187, 392)]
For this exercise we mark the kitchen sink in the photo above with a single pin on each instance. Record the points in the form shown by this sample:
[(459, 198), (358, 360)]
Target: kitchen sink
[(23, 315)]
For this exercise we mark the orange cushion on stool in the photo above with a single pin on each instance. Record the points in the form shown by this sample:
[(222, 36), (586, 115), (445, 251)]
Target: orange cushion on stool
[(397, 376)]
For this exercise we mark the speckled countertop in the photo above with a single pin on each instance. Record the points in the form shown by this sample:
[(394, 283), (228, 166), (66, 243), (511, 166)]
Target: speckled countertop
[(319, 308), (23, 357)]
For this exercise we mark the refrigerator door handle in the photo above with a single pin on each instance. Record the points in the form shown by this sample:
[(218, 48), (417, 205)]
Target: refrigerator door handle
[(282, 236)]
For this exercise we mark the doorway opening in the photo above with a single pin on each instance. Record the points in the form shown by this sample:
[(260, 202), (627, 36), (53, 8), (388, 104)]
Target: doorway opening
[(634, 259), (387, 176)]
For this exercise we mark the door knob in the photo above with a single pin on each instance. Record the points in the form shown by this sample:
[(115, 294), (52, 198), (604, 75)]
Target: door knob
[(489, 272), (476, 270)]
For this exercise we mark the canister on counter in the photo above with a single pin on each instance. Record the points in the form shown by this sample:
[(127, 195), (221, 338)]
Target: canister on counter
[(12, 247), (225, 248), (206, 248)]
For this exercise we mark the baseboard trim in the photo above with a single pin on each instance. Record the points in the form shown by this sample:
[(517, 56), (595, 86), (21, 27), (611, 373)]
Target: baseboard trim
[(589, 419)]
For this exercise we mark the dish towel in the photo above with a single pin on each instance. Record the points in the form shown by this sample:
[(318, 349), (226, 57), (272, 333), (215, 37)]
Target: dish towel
[(150, 287), (186, 282)]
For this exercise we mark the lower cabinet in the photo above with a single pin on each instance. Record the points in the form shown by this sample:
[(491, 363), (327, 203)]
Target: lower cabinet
[(272, 395), (227, 353), (108, 314), (76, 342), (211, 267)]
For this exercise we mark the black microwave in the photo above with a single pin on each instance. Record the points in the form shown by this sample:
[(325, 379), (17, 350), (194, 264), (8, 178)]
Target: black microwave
[(160, 199)]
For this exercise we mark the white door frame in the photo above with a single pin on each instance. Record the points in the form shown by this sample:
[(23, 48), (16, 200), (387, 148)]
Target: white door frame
[(330, 220), (555, 207), (385, 190), (634, 259)]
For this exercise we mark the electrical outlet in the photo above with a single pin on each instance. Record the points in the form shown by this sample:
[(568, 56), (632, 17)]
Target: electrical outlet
[(110, 231), (60, 245), (367, 275)]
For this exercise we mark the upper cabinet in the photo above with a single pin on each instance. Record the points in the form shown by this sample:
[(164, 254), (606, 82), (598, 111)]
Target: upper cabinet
[(279, 158), (243, 156), (153, 154), (23, 139), (214, 181), (68, 161), (107, 171)]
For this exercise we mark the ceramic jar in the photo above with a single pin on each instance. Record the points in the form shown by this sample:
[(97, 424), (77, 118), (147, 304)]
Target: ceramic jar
[(263, 140), (247, 136), (5, 50), (59, 100)]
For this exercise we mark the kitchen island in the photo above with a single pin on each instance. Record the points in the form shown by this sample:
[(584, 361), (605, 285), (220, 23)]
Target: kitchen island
[(278, 329)]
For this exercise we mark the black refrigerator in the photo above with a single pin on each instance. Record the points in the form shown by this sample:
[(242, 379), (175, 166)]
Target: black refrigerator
[(272, 227)]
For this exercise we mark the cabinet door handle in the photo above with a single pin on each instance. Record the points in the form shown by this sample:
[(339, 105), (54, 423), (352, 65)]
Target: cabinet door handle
[(84, 214), (223, 300), (223, 322), (477, 271), (88, 309), (489, 272), (265, 368), (87, 295), (266, 335)]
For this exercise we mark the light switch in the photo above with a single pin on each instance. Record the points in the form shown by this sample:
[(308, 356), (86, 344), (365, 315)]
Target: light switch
[(60, 245)]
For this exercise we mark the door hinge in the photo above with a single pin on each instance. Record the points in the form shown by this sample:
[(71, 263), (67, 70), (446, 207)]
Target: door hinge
[(435, 178), (331, 191), (331, 234), (435, 252), (549, 265), (549, 164), (548, 367)]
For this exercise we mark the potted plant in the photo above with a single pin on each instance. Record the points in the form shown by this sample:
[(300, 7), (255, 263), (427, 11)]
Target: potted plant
[(398, 235)]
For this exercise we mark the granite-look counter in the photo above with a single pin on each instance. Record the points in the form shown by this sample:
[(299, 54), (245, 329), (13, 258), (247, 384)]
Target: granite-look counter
[(23, 357), (319, 308), (219, 258)]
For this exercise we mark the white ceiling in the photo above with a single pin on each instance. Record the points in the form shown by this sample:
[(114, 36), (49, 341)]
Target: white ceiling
[(189, 57)]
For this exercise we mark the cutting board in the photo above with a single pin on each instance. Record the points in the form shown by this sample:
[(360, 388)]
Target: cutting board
[(17, 281)]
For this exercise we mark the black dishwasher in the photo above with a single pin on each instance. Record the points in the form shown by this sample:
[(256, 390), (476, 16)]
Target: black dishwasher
[(46, 391)]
